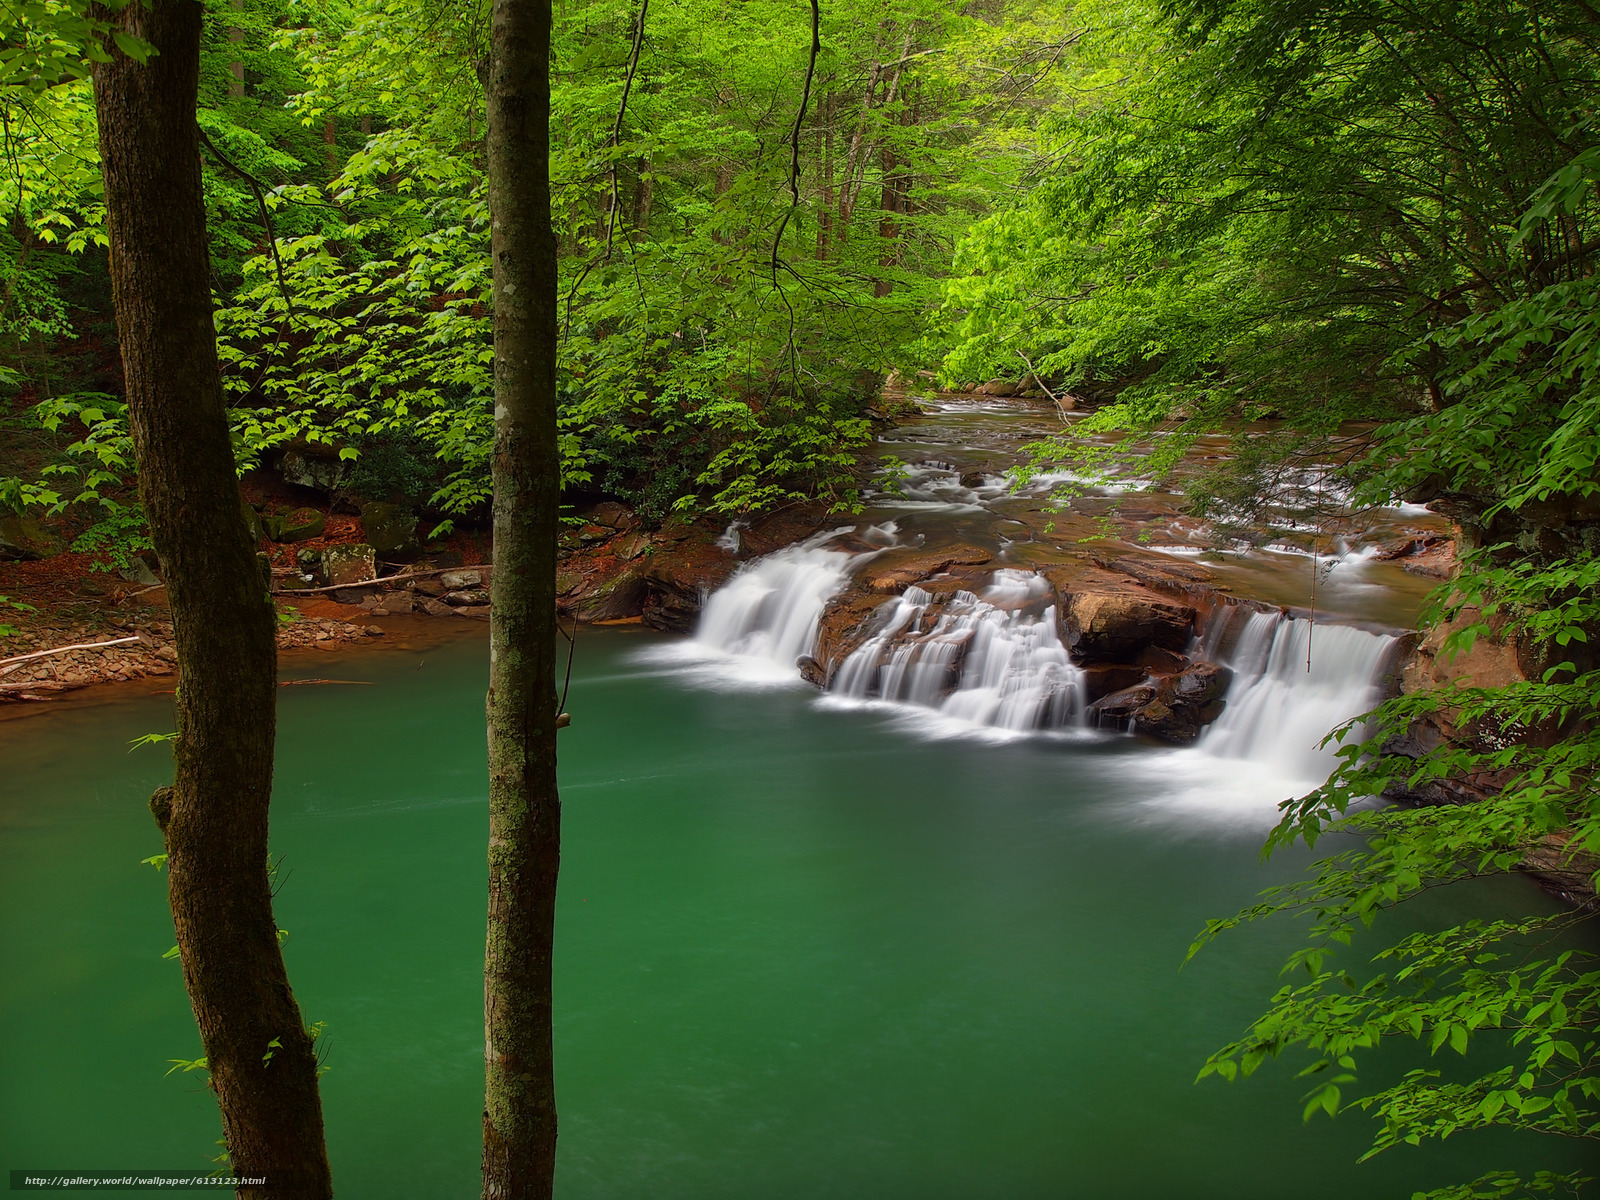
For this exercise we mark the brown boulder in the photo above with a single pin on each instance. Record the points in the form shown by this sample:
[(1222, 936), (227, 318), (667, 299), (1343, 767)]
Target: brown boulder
[(1116, 623), (1173, 708), (894, 572)]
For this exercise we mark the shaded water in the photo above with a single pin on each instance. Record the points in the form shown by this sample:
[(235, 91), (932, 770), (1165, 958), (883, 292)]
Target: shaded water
[(802, 953)]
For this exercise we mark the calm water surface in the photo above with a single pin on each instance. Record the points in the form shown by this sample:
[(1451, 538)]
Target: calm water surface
[(802, 953)]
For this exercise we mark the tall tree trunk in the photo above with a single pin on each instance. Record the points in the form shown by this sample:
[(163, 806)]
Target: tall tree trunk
[(260, 1056), (888, 231), (825, 209), (236, 67), (644, 195), (519, 1116)]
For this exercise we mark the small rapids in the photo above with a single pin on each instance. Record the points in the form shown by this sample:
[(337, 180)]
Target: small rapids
[(995, 660), (993, 664)]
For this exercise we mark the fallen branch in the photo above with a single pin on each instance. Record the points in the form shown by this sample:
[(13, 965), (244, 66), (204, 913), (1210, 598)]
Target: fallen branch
[(309, 682), (21, 658), (7, 689), (339, 587)]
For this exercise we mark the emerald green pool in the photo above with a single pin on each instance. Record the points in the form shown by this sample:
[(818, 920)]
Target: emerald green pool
[(802, 953)]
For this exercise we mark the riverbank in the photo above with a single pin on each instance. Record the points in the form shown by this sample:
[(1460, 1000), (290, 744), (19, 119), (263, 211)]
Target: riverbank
[(1115, 552)]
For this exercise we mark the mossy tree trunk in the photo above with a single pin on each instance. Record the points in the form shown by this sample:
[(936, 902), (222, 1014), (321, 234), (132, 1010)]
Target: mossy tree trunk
[(260, 1056), (519, 1118)]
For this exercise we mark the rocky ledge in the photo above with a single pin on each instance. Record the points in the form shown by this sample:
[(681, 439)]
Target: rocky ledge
[(1127, 627)]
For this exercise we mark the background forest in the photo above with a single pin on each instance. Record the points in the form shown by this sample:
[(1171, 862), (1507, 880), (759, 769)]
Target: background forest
[(1192, 215)]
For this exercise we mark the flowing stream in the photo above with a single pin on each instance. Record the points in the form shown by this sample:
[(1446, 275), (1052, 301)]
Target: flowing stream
[(916, 938)]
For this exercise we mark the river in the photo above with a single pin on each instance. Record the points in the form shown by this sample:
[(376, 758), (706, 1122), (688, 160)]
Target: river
[(805, 948)]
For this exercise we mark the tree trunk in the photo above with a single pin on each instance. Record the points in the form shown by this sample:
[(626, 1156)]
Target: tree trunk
[(825, 209), (888, 231), (519, 1117), (260, 1056), (330, 145), (236, 67)]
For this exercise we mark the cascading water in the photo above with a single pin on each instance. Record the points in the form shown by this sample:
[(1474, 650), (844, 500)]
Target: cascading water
[(1279, 711), (768, 613), (995, 660)]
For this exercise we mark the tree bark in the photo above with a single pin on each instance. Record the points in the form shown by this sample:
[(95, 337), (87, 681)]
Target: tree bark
[(260, 1056), (236, 67), (519, 1118)]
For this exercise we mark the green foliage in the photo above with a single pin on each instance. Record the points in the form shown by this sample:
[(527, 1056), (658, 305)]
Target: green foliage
[(1277, 209), (15, 606), (187, 1064), (151, 739)]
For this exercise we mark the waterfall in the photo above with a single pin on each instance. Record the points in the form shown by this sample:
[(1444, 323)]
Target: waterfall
[(1277, 710), (995, 660), (768, 613)]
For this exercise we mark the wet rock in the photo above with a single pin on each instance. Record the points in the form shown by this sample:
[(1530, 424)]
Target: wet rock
[(1101, 680), (973, 479), (345, 565), (1116, 624), (430, 587), (298, 526), (390, 529), (1157, 661), (999, 387), (1201, 684), (357, 596), (1120, 708), (849, 619), (479, 612), (456, 581), (436, 608), (893, 572), (1173, 708), (615, 599), (467, 599)]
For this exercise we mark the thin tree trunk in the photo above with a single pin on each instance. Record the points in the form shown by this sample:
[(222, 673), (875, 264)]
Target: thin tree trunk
[(519, 1117), (888, 231), (260, 1056), (825, 209), (643, 196), (236, 67)]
